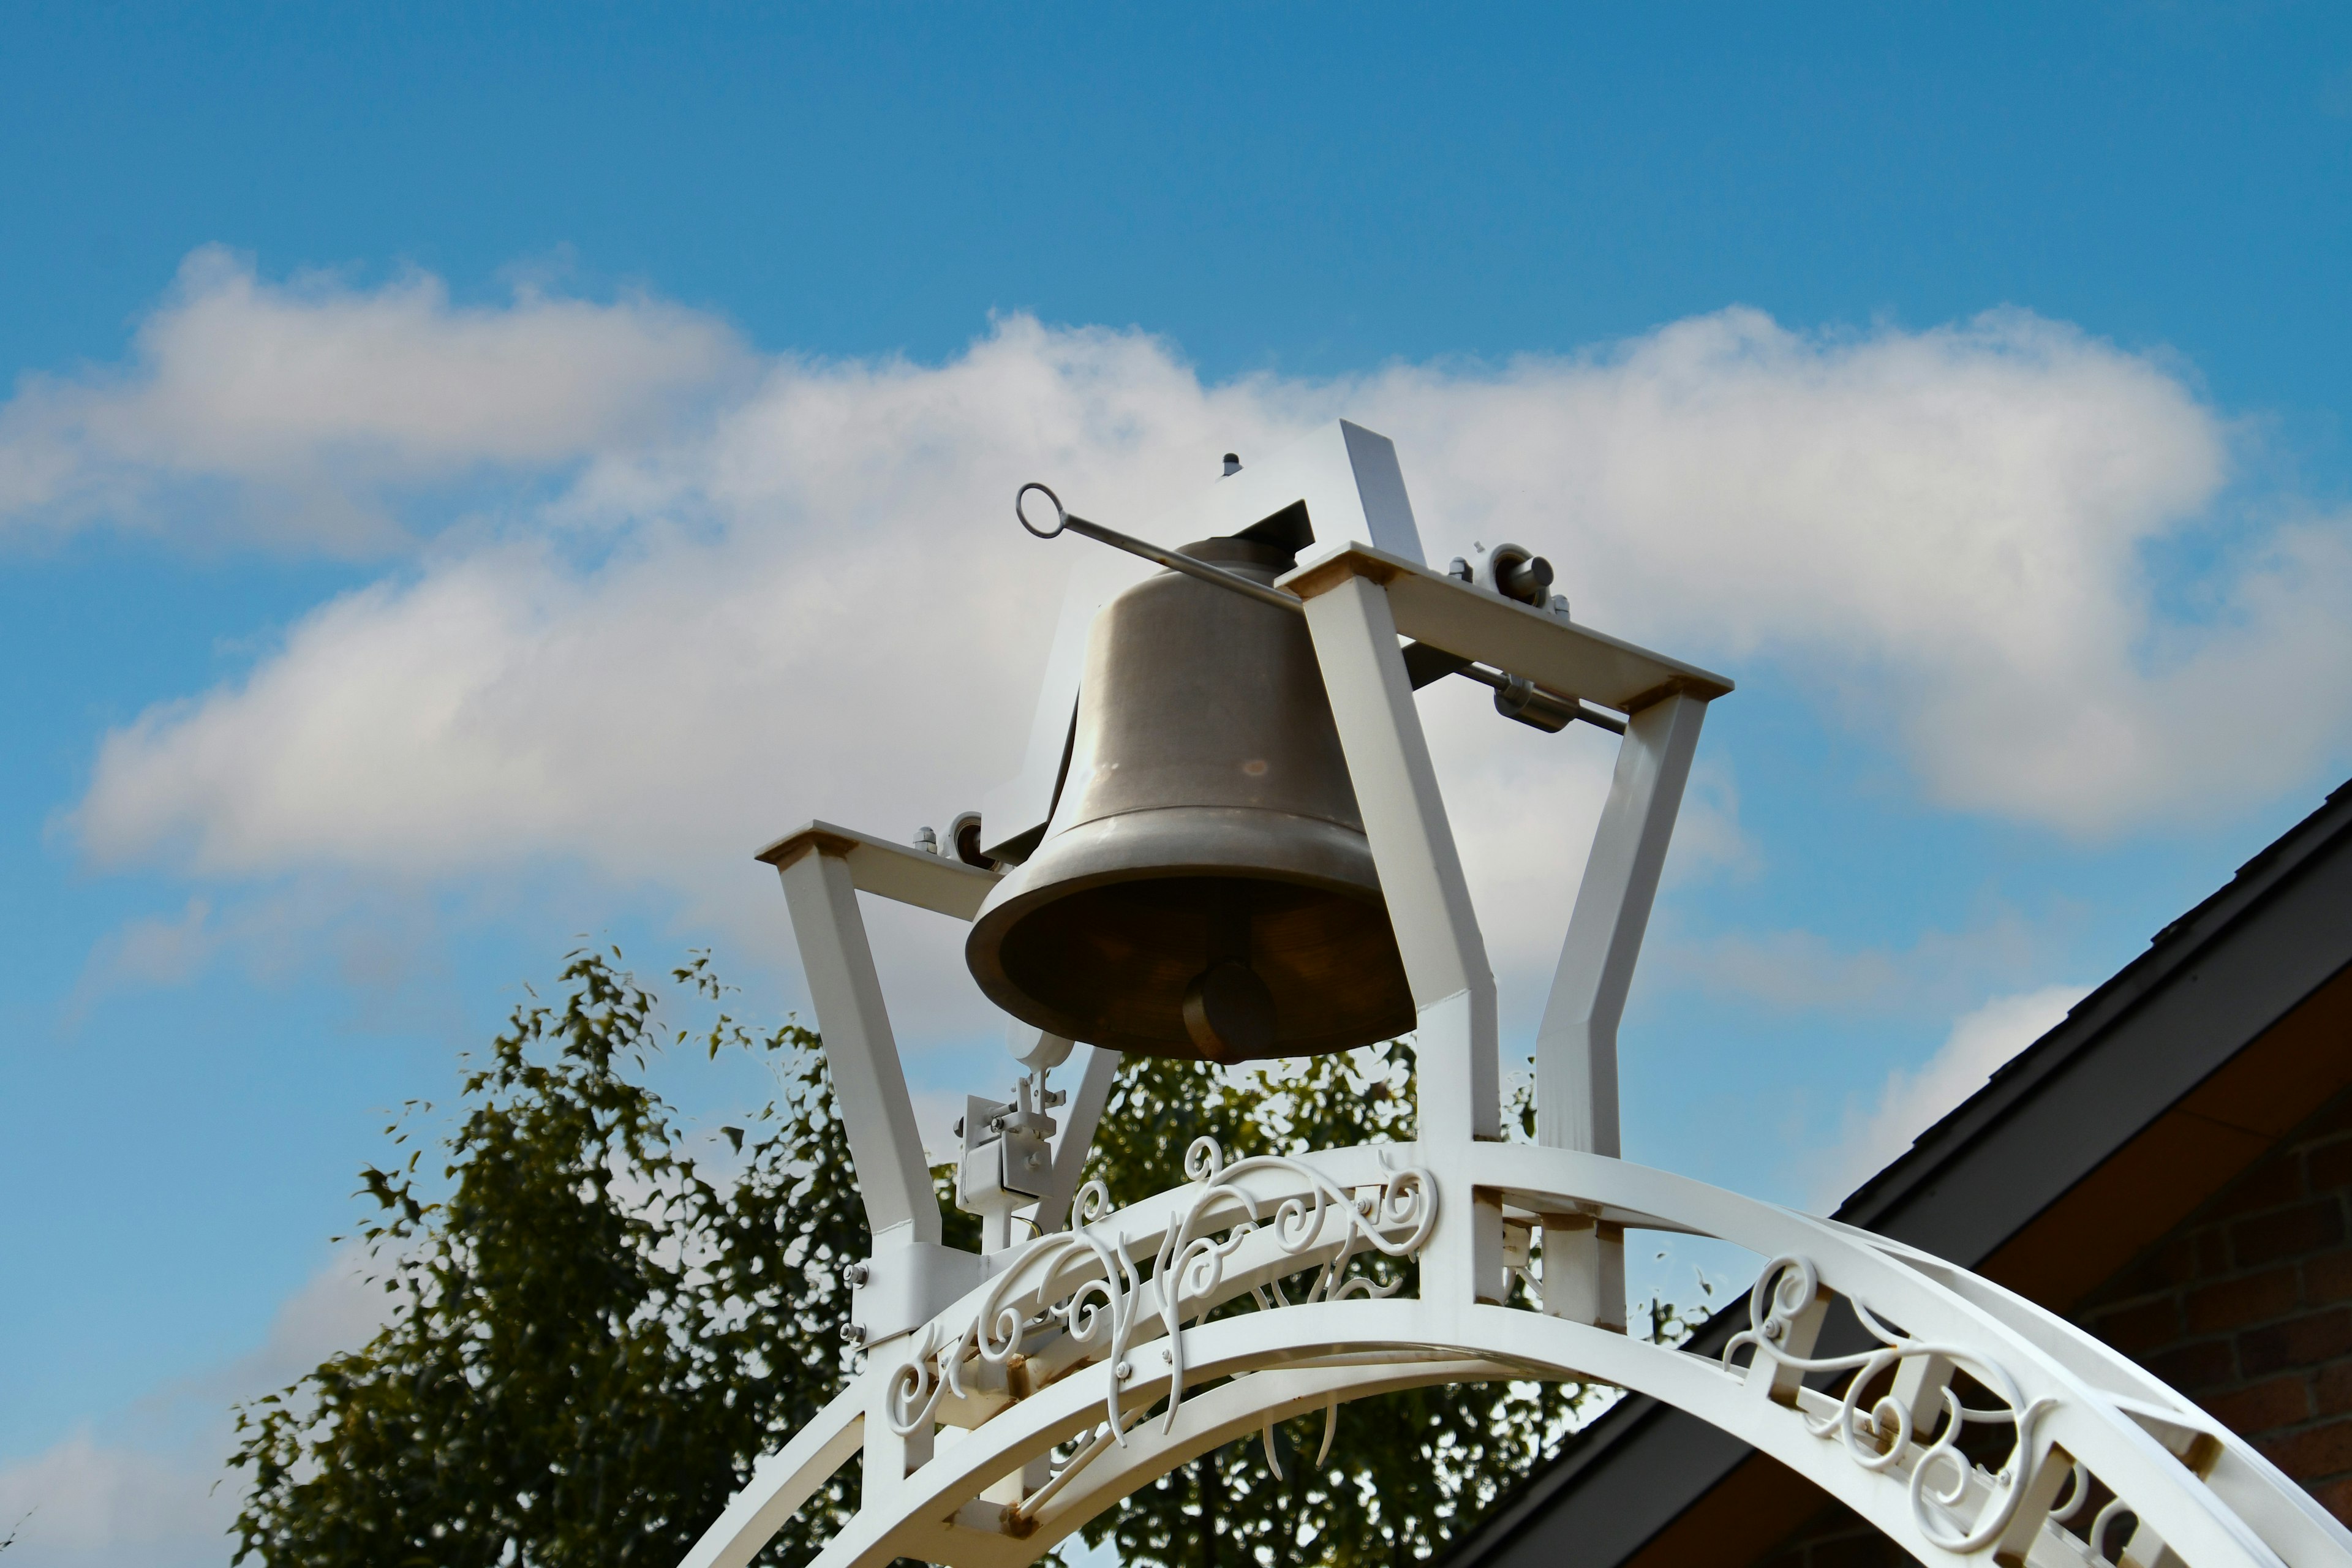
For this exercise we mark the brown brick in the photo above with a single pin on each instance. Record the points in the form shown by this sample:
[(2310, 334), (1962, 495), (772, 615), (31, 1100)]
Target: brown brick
[(2331, 1389), (2329, 1167), (2212, 1251), (2264, 1407), (2300, 1341), (2327, 1279), (2166, 1267), (2137, 1330), (2335, 1496), (2304, 1228), (2275, 1183), (2242, 1302), (2196, 1367), (2320, 1451)]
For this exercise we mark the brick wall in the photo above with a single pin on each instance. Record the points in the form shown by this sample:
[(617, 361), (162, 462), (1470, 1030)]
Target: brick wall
[(2246, 1307)]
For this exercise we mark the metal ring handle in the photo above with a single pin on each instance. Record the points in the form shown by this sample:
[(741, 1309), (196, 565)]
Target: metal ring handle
[(1061, 513)]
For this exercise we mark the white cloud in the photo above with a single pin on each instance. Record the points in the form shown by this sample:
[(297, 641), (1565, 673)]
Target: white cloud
[(1803, 972), (814, 603), (1911, 1101), (153, 1490), (84, 1502), (306, 399), (1944, 531)]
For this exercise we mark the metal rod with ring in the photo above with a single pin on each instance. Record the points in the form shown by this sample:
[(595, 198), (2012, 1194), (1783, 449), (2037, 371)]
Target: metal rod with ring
[(1516, 698), (1174, 561)]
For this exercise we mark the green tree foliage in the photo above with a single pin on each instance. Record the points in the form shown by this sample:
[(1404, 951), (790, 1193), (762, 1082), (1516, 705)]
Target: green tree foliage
[(1406, 1470), (594, 1333), (590, 1340)]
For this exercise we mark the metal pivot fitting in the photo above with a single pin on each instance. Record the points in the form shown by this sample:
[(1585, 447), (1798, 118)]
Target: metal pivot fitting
[(1008, 1153), (1513, 572)]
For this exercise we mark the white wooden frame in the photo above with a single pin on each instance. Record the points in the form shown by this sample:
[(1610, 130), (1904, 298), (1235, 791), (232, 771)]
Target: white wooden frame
[(1062, 1364)]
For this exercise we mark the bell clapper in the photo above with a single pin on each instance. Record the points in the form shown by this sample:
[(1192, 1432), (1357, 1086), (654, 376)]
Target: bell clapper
[(1229, 1011)]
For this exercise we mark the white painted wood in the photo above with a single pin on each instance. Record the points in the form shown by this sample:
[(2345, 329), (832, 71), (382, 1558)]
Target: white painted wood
[(1560, 656), (1288, 1361), (1079, 1118), (1021, 805), (1347, 476), (780, 1483), (1412, 846), (896, 871), (990, 1499), (1584, 1270), (869, 1083), (1576, 1045)]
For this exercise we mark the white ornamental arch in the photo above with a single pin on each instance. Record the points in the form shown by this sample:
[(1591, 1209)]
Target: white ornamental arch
[(1010, 1395)]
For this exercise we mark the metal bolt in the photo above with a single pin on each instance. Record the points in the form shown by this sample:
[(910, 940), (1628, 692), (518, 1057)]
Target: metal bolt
[(856, 1275), (1122, 1372), (855, 1334), (927, 840), (1458, 569), (1233, 464)]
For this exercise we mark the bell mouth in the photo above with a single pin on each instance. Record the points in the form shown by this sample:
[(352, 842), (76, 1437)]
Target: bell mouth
[(1199, 932)]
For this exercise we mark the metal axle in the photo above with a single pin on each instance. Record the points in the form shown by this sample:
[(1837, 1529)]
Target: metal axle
[(1513, 698)]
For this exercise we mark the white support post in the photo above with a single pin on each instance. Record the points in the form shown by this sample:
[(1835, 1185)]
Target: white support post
[(1079, 1118), (1413, 845), (1576, 1048), (1458, 1077), (869, 1083), (1584, 1270), (889, 1457)]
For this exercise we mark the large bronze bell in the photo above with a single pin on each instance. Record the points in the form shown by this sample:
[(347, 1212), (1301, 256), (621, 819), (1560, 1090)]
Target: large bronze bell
[(1204, 888)]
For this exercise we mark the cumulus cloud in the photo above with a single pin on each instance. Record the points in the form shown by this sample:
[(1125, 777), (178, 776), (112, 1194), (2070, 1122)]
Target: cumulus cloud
[(152, 1487), (1803, 972), (1946, 533), (285, 409), (1912, 1100), (811, 602)]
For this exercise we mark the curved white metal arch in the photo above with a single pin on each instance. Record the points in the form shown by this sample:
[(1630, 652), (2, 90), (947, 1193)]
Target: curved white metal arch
[(2190, 1484), (1093, 1337)]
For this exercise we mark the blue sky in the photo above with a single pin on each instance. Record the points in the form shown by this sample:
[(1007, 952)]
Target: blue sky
[(458, 477)]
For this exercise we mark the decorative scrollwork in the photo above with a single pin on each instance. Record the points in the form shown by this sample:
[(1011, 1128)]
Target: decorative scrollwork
[(1190, 1264), (1101, 1314), (1883, 1437)]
